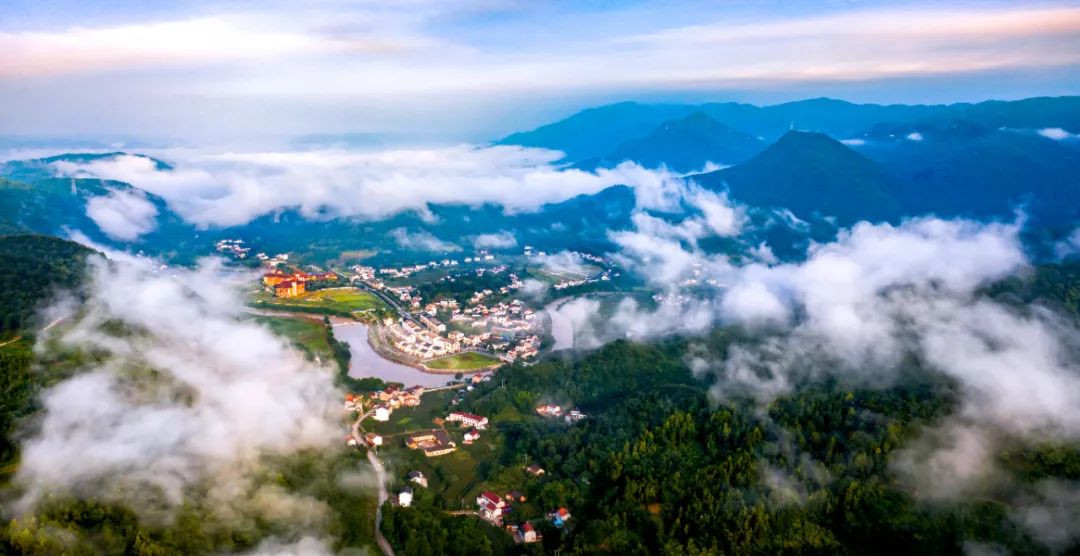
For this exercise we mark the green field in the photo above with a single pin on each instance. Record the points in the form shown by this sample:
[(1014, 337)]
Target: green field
[(338, 300), (465, 361), (307, 333)]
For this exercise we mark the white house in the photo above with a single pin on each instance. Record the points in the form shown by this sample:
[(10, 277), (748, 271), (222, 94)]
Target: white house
[(468, 419)]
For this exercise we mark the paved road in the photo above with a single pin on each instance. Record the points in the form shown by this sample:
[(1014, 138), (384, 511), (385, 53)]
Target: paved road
[(380, 477)]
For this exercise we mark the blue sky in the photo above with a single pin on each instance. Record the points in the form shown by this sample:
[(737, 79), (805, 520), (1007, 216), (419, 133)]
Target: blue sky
[(472, 70)]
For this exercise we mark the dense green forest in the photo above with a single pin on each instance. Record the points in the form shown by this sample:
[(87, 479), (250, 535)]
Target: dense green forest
[(1053, 285), (659, 468), (33, 268)]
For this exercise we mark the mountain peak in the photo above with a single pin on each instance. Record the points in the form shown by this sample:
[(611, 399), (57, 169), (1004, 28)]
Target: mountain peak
[(811, 174)]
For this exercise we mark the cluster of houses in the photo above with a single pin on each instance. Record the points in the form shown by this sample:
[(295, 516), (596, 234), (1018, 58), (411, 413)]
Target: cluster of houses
[(555, 411), (491, 507), (507, 327), (393, 397), (409, 270), (548, 410), (280, 258), (292, 284), (384, 402), (494, 509), (420, 342), (234, 247), (434, 442)]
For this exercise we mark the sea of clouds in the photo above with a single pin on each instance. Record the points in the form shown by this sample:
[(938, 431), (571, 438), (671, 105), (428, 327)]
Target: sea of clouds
[(215, 189), (179, 391)]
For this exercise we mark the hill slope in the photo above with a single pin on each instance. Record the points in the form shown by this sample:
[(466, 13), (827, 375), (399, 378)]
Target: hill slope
[(965, 169), (34, 267), (810, 174)]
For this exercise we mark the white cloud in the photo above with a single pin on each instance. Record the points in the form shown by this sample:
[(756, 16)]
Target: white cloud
[(563, 262), (221, 38), (421, 241), (853, 142), (397, 67), (501, 240), (122, 215), (915, 136), (1069, 245), (233, 188), (1056, 133), (182, 394)]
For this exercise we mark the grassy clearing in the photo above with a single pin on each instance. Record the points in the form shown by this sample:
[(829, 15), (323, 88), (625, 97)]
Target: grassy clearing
[(464, 361), (307, 333), (341, 300)]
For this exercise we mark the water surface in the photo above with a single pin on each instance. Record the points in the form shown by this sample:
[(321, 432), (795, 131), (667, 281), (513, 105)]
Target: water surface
[(366, 362)]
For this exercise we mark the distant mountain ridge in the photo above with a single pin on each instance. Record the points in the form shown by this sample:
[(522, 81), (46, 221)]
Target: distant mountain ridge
[(979, 161), (598, 131), (683, 145)]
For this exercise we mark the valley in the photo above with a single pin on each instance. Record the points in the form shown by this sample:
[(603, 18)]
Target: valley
[(709, 329)]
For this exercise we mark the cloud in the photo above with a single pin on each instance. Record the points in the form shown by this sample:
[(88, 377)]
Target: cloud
[(181, 394), (88, 49), (306, 546), (500, 240), (1051, 510), (857, 309), (385, 49), (385, 67), (1068, 246), (123, 215), (563, 262), (226, 189), (421, 241), (1056, 133), (915, 136)]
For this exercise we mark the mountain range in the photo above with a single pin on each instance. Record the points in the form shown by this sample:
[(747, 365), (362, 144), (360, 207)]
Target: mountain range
[(824, 162)]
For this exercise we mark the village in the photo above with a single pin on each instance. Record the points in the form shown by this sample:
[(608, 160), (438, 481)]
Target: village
[(429, 329), (429, 313), (452, 431)]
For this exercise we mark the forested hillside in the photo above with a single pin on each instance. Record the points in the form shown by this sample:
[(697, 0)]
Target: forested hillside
[(33, 267), (660, 468)]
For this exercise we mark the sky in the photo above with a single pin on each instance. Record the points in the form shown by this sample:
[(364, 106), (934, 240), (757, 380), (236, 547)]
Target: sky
[(473, 70)]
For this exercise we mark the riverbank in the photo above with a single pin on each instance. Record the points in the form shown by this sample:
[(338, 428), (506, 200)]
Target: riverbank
[(381, 346), (367, 362)]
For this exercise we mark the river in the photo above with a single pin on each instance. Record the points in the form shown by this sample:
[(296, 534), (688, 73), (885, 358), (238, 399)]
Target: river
[(365, 362)]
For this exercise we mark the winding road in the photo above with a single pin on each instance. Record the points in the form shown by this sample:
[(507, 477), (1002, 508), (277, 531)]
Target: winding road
[(380, 477), (380, 480)]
